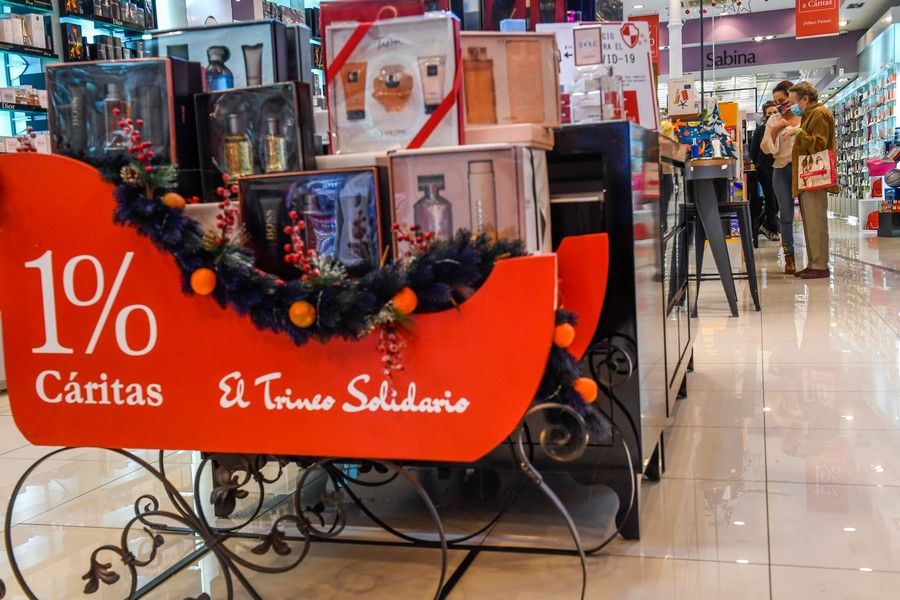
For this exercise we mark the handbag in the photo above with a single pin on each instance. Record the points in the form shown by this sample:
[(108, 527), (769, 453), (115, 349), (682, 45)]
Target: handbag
[(817, 171)]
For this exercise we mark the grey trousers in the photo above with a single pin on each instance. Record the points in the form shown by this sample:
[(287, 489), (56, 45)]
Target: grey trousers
[(814, 210)]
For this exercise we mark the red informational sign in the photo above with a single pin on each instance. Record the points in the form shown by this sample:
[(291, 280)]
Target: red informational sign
[(103, 349), (653, 23), (817, 18)]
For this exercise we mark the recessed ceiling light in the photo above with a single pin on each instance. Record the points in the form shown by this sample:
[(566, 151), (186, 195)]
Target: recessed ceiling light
[(865, 569), (744, 561), (842, 22), (888, 19), (767, 409), (770, 37), (849, 529), (877, 468), (739, 523), (758, 38), (639, 6), (846, 417)]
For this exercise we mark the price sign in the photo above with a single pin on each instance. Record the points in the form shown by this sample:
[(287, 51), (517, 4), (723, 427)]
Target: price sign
[(102, 348)]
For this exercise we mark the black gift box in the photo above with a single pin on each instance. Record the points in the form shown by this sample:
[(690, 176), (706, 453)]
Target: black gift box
[(157, 90), (243, 54), (339, 210), (235, 127)]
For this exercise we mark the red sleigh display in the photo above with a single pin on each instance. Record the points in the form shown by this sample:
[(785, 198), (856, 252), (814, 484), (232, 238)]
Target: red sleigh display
[(103, 349)]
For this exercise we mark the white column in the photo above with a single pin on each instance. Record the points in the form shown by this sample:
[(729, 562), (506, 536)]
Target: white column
[(675, 25)]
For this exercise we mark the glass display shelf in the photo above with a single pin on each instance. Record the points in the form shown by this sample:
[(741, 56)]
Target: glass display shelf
[(18, 49), (22, 108), (31, 5), (110, 24)]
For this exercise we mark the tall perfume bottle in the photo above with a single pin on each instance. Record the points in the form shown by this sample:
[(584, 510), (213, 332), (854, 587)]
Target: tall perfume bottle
[(547, 10), (236, 149), (483, 198), (218, 76), (275, 147), (115, 109), (321, 224), (481, 103), (432, 212)]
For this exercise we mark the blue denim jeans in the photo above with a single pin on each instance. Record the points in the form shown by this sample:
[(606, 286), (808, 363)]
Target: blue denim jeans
[(781, 181)]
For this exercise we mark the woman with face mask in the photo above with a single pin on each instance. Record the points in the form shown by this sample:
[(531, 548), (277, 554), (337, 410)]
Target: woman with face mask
[(815, 133), (765, 213), (779, 142)]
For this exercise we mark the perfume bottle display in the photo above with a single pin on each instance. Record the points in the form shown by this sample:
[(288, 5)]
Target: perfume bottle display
[(251, 131), (83, 99), (339, 211), (478, 73), (237, 153), (432, 212), (218, 76), (392, 88)]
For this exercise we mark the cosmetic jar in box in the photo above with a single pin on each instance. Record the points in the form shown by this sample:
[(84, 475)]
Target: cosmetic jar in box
[(499, 190), (339, 210), (83, 98), (510, 83), (254, 131), (394, 84), (235, 55)]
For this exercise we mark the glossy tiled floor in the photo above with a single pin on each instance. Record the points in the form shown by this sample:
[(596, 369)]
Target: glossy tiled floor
[(783, 475)]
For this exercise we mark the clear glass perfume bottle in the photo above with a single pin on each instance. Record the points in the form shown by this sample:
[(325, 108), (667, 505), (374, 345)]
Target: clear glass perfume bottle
[(321, 224), (432, 212), (236, 149), (483, 198), (218, 76), (275, 147), (115, 109)]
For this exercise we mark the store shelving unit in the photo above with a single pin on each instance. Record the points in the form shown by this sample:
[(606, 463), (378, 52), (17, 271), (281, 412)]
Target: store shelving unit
[(866, 115), (20, 65)]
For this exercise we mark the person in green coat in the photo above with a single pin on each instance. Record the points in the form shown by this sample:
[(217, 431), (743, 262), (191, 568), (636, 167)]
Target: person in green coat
[(815, 134)]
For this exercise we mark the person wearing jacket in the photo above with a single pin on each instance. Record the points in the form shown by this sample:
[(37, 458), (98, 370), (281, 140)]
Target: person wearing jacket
[(815, 134), (779, 142), (767, 223)]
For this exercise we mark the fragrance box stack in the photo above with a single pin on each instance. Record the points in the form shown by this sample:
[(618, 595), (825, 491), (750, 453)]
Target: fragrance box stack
[(29, 31), (511, 87)]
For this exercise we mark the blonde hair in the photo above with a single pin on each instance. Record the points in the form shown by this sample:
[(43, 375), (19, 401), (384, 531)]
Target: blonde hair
[(805, 89)]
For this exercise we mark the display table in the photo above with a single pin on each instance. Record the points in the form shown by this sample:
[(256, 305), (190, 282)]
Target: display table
[(706, 175)]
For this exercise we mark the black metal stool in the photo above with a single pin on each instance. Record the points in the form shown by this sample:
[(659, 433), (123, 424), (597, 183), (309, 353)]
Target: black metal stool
[(730, 210)]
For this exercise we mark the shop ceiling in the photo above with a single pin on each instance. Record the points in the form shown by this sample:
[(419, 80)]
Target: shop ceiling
[(859, 14)]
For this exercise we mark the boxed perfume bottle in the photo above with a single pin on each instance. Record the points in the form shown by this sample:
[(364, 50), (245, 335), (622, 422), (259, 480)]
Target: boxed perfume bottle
[(339, 209), (394, 84), (235, 55), (510, 80), (84, 96), (496, 189), (252, 131)]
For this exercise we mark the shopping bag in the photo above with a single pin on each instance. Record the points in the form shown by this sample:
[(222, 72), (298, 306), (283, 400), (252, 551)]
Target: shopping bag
[(817, 171)]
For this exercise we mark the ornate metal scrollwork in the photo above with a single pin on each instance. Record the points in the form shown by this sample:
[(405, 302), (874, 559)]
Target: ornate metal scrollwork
[(612, 360)]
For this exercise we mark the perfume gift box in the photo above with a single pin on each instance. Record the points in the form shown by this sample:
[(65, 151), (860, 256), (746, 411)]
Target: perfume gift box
[(253, 131), (496, 189), (235, 55), (394, 84), (339, 209), (364, 11), (83, 97), (510, 79)]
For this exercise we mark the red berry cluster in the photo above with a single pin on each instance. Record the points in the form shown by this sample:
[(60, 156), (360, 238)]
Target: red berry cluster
[(227, 217), (295, 252), (418, 240), (139, 148), (25, 141), (390, 344)]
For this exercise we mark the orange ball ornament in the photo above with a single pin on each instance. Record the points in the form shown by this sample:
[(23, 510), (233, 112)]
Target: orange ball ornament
[(405, 301), (302, 314), (564, 335), (587, 389), (203, 281), (173, 200)]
